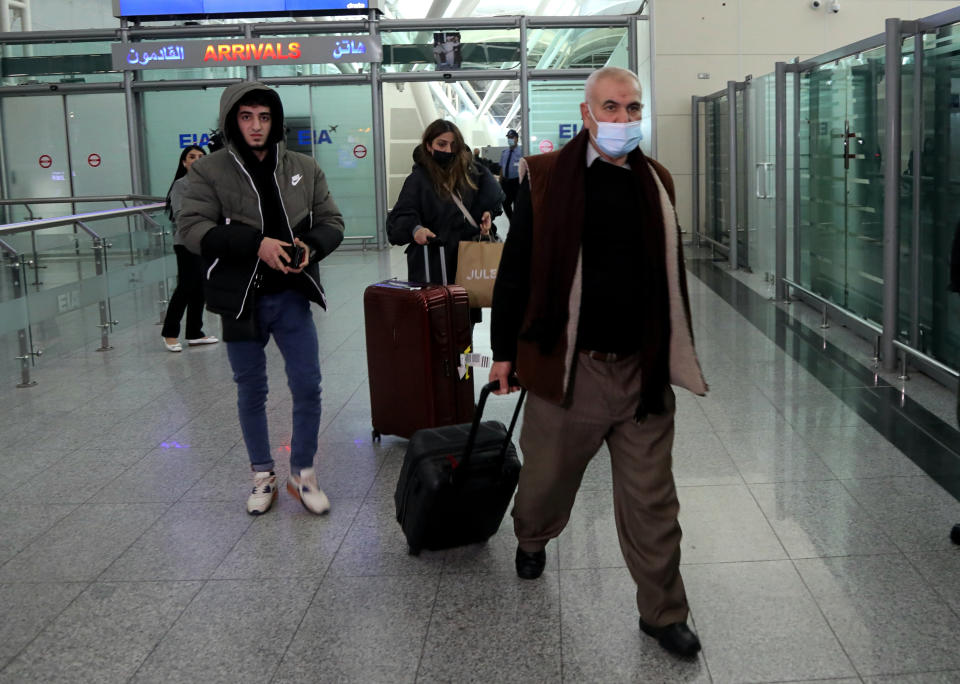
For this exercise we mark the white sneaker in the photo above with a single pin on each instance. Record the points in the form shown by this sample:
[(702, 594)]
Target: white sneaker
[(305, 489), (264, 493), (209, 339)]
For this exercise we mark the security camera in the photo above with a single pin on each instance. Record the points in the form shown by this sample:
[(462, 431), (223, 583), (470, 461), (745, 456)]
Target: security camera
[(835, 6), (815, 4)]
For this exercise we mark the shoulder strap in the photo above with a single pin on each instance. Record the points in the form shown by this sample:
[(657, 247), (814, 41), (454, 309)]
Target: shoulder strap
[(466, 214)]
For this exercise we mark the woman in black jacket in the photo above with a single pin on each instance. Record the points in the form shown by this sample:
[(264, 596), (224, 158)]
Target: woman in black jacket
[(444, 171), (188, 295)]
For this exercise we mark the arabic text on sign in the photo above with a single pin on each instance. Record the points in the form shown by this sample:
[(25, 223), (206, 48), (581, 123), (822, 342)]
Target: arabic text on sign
[(246, 52), (349, 47), (163, 54)]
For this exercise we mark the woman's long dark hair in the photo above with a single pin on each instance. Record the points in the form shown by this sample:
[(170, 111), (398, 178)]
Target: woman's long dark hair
[(459, 175), (181, 172)]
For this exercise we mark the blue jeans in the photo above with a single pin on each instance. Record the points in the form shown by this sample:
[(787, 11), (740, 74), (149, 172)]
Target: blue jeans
[(287, 317)]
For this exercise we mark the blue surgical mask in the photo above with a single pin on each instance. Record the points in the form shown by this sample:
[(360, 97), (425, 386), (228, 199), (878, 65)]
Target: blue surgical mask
[(512, 142), (617, 139)]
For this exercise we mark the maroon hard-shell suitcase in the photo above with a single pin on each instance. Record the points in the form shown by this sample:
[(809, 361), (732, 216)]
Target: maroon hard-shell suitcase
[(415, 336)]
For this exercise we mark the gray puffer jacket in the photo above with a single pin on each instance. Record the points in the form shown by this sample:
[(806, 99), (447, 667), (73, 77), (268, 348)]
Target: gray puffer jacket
[(222, 217)]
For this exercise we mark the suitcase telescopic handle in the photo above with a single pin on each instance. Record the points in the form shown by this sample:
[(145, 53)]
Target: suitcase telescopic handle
[(478, 415), (438, 243)]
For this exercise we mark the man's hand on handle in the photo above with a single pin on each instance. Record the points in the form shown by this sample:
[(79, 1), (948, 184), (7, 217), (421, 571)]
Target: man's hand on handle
[(500, 371)]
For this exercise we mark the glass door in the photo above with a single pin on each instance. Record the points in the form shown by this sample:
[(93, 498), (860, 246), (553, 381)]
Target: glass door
[(761, 175), (338, 133), (36, 165), (842, 189), (717, 171), (742, 180)]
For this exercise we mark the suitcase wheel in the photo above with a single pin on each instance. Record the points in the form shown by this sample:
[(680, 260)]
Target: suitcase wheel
[(955, 534), (376, 435), (413, 551)]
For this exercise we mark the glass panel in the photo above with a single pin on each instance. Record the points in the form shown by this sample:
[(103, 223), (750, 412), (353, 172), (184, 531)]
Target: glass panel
[(908, 287), (842, 186), (554, 114), (100, 163), (13, 319), (338, 132), (173, 120), (865, 135), (761, 175), (36, 166), (741, 180), (717, 169), (61, 301), (569, 48), (940, 194)]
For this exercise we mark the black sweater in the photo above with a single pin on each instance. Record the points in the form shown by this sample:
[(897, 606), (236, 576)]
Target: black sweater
[(611, 312)]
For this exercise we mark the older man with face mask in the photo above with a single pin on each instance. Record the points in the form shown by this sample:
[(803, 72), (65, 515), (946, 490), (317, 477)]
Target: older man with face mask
[(590, 310)]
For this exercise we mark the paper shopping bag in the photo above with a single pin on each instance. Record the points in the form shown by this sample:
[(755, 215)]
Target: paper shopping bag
[(477, 264)]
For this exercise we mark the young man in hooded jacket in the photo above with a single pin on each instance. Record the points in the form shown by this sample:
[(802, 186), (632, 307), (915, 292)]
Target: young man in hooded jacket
[(262, 217)]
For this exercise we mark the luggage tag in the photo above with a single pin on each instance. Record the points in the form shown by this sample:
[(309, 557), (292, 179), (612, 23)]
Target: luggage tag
[(468, 360)]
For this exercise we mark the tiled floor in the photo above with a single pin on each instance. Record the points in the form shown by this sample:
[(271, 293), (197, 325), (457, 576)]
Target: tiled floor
[(815, 541)]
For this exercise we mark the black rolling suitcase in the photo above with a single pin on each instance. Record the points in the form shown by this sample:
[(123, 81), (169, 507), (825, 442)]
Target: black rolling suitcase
[(457, 481)]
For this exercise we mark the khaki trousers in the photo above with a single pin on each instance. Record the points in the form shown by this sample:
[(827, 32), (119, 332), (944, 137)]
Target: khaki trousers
[(557, 445)]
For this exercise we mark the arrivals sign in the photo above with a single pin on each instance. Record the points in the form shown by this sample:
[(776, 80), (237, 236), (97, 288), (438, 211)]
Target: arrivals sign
[(189, 54)]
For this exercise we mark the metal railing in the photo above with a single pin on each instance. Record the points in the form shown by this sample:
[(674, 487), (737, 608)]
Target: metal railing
[(18, 262), (362, 239), (870, 330), (889, 349)]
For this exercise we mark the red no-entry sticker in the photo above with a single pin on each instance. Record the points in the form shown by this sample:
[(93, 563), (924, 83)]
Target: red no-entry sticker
[(45, 161), (94, 160), (359, 151), (546, 146)]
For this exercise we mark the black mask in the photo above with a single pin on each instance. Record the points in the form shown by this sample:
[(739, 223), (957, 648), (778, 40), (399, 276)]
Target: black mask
[(442, 158)]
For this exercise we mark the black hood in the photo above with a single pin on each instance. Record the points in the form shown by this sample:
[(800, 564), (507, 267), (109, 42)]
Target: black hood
[(230, 101)]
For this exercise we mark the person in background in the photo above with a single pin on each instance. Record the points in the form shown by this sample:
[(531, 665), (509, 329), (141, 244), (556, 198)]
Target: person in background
[(590, 309), (491, 165), (188, 295), (510, 171), (444, 186), (262, 217)]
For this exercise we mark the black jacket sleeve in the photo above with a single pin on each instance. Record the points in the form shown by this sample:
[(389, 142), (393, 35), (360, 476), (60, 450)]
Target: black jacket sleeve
[(230, 241), (323, 230), (405, 215), (489, 195), (512, 289), (322, 239)]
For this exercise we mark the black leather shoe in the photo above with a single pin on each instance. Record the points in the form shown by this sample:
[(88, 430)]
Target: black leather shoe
[(530, 564), (676, 638)]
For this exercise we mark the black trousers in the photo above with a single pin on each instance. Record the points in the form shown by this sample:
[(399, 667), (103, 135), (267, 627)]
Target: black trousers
[(510, 187), (187, 296)]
